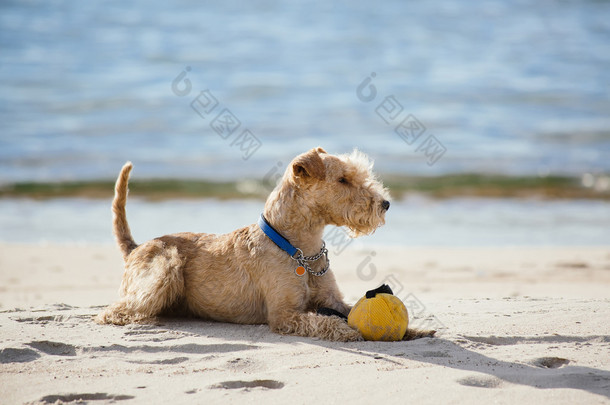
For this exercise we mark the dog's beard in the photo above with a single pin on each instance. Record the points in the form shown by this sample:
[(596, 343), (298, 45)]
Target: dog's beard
[(359, 225)]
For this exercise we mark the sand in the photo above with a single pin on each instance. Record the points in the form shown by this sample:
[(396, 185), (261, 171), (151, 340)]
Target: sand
[(516, 325)]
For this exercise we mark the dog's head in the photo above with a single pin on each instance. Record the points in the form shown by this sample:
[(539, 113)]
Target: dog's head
[(342, 189)]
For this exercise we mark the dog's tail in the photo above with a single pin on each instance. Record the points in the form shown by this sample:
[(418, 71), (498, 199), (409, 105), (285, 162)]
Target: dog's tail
[(122, 233)]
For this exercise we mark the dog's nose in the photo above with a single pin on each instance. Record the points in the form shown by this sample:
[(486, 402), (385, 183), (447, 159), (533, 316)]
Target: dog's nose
[(385, 205)]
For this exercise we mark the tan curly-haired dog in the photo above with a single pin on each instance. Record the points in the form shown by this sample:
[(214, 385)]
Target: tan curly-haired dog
[(244, 276)]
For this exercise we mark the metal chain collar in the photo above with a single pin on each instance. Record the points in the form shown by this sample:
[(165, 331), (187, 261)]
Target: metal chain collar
[(302, 260)]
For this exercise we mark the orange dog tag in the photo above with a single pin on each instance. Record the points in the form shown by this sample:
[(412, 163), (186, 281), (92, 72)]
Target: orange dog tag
[(300, 270)]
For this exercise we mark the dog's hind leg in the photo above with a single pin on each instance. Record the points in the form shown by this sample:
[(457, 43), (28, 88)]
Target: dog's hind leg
[(153, 282)]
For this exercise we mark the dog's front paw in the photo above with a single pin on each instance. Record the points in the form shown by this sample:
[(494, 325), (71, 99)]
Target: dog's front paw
[(412, 334), (347, 334)]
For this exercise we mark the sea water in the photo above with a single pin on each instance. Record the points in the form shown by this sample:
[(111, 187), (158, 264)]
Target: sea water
[(504, 86), (414, 221), (509, 86)]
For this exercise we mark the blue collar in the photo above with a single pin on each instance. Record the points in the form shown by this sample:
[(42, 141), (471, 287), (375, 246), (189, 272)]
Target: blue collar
[(295, 253), (276, 237)]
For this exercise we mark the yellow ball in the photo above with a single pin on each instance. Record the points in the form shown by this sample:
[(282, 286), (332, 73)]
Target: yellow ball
[(381, 317)]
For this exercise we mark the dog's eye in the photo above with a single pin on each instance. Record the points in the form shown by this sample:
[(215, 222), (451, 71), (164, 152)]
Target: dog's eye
[(343, 180)]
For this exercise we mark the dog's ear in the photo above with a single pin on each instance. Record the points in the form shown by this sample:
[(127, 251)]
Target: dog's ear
[(309, 165)]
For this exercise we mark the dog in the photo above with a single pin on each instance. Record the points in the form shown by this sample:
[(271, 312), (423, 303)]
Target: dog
[(275, 272)]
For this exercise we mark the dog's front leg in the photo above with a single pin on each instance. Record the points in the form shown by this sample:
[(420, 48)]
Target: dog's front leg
[(313, 325), (325, 294)]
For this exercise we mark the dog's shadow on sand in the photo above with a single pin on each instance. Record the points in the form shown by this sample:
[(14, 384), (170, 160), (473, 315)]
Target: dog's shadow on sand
[(457, 352), (542, 372)]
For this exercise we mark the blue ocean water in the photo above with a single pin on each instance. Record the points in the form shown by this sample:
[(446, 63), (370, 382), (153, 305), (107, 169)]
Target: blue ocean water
[(412, 222), (503, 86)]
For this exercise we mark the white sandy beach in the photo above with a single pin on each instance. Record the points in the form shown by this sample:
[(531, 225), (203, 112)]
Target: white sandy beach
[(516, 325)]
